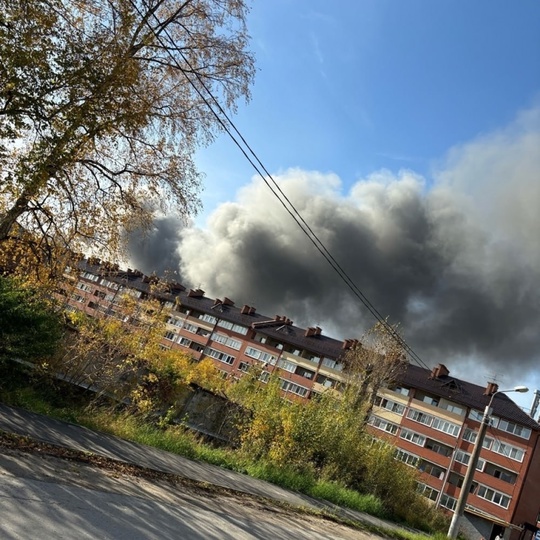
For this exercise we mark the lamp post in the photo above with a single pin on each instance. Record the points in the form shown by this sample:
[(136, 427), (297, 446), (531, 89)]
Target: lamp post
[(473, 462)]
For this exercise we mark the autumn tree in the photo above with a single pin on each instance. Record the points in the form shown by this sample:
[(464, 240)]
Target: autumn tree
[(102, 104), (117, 352), (376, 361)]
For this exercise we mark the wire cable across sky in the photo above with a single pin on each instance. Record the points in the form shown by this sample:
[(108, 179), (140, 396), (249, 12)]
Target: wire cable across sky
[(238, 139)]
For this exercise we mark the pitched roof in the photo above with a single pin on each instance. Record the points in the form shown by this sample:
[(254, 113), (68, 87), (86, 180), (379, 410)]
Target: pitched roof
[(287, 333), (465, 393)]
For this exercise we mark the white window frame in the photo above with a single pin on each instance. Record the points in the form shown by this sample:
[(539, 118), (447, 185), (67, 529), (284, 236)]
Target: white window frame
[(493, 496), (413, 437)]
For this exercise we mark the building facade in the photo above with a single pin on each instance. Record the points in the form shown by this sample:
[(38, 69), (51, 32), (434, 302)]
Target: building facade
[(431, 417)]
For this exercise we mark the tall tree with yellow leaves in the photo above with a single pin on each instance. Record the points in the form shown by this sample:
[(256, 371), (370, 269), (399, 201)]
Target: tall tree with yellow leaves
[(101, 110)]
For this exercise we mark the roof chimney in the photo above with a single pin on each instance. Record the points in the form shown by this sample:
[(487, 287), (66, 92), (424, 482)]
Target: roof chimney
[(196, 293), (175, 286), (491, 388), (312, 331), (228, 301), (439, 371)]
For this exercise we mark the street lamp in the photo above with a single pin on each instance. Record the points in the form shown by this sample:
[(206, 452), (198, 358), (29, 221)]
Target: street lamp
[(473, 462)]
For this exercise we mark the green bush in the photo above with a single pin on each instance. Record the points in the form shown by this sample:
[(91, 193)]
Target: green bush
[(29, 327)]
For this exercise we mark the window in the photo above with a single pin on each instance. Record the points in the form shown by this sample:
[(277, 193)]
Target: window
[(448, 502), (453, 408), (190, 327), (175, 321), (430, 400), (401, 390), (238, 328), (287, 366), (382, 424), (428, 492), (500, 499), (305, 372), (171, 336), (329, 363), (513, 452), (389, 405), (227, 341), (84, 287), (515, 429), (288, 386), (260, 355), (134, 293), (413, 437), (202, 332), (407, 458), (208, 318), (478, 415), (445, 427), (470, 435), (110, 284), (244, 366), (185, 342), (91, 277), (463, 457), (218, 355), (431, 469), (437, 447), (499, 472), (420, 417), (325, 381), (77, 297)]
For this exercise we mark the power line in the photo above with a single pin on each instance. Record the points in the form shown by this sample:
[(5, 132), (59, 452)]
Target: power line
[(276, 190)]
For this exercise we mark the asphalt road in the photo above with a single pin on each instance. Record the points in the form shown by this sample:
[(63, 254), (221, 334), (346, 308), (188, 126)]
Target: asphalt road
[(48, 498), (64, 434)]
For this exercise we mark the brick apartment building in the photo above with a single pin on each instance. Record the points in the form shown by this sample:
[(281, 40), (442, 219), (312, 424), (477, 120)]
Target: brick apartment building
[(431, 417)]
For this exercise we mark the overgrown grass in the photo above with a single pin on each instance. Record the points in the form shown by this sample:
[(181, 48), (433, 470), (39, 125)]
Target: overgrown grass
[(341, 496), (57, 400)]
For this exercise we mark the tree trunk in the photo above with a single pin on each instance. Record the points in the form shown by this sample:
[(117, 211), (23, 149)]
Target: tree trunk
[(8, 220)]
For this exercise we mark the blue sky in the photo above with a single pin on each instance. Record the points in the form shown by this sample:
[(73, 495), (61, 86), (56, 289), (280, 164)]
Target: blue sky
[(355, 86), (408, 134)]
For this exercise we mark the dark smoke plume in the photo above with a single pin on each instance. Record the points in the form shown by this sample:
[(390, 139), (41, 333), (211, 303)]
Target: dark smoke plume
[(455, 261)]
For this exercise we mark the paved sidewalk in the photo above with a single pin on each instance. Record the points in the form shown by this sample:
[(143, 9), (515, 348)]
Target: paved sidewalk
[(64, 434)]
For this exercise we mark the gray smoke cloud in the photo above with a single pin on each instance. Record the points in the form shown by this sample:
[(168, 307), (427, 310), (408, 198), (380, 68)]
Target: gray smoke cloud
[(156, 250), (455, 261)]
